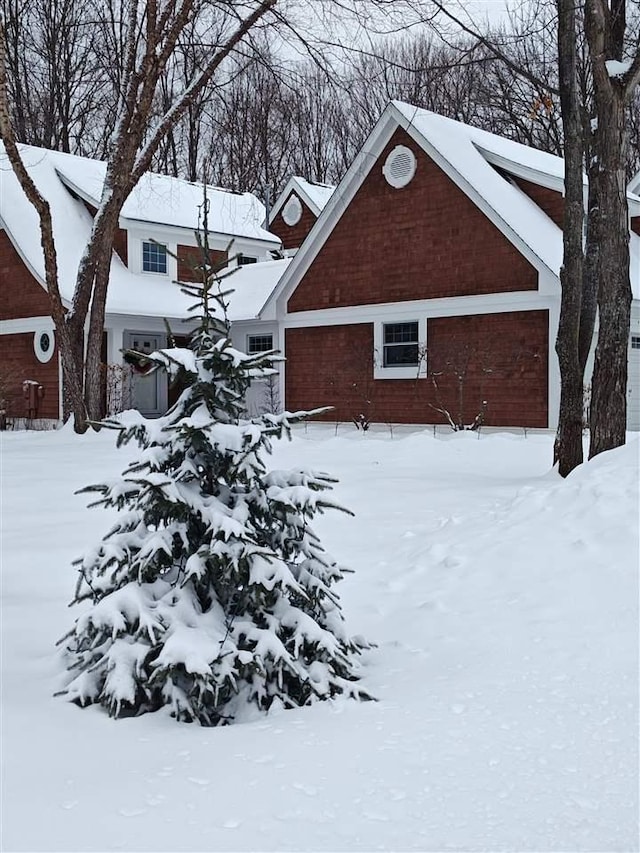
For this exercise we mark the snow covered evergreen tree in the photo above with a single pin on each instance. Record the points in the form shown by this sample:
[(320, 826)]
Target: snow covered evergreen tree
[(212, 590)]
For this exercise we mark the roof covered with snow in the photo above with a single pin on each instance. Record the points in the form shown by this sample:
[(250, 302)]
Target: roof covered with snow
[(169, 201), (141, 294), (476, 161), (315, 196), (462, 151)]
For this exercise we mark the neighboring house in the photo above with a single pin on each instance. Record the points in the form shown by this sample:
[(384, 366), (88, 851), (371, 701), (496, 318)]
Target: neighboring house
[(430, 282), (158, 221), (296, 210)]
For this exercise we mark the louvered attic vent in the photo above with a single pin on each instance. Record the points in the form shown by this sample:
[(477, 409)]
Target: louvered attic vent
[(400, 166), (292, 211)]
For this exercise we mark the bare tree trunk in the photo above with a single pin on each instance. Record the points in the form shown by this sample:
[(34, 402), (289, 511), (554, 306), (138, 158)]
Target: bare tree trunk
[(608, 421), (151, 33), (614, 84), (568, 444)]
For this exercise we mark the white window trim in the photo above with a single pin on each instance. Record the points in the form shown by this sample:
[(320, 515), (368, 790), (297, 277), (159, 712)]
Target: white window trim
[(409, 372), (258, 335), (158, 243), (42, 355)]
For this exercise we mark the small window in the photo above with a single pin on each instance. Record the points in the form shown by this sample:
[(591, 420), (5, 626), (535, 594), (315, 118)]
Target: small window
[(243, 260), (400, 344), (259, 343), (154, 257), (635, 341)]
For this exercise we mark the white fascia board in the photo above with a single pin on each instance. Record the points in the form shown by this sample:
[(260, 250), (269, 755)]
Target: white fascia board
[(291, 186), (534, 176), (364, 161), (143, 229), (143, 322), (453, 306), (477, 198), (186, 236), (279, 203), (306, 198), (70, 185), (24, 325)]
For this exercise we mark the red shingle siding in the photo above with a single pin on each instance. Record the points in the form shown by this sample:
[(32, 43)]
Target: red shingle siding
[(17, 363), (292, 236), (507, 354), (20, 294), (120, 245), (190, 256), (502, 358), (423, 241), (550, 201)]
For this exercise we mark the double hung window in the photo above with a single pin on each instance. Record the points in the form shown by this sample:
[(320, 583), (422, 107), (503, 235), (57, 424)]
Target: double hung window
[(400, 344)]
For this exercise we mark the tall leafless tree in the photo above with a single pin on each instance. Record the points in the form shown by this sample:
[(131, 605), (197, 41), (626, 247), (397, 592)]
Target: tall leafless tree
[(152, 30), (615, 67)]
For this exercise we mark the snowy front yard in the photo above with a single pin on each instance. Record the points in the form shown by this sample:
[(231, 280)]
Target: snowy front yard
[(504, 603)]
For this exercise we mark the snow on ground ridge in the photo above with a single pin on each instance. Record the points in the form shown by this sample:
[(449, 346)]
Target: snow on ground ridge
[(504, 602)]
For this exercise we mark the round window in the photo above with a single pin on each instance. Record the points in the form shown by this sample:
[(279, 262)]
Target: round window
[(43, 345), (292, 211), (400, 166)]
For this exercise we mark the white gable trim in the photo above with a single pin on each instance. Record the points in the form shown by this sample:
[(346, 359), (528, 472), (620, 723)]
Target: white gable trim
[(519, 170), (470, 191), (326, 222), (391, 119), (293, 186), (75, 189)]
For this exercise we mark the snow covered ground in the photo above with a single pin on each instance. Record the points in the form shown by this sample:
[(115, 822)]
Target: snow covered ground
[(504, 602)]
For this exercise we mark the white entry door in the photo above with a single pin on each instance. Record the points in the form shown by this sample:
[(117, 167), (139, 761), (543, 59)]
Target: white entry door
[(149, 393)]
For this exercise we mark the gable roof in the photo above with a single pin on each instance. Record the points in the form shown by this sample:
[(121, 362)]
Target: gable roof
[(315, 196), (163, 200), (469, 157), (141, 294)]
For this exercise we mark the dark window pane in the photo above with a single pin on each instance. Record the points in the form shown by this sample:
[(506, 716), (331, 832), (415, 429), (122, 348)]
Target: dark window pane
[(259, 343), (154, 257), (401, 355), (397, 333)]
